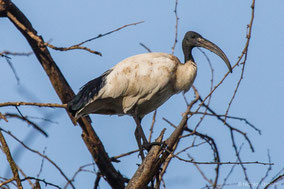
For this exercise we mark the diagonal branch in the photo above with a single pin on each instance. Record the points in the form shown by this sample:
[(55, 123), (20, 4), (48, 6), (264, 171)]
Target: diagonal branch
[(40, 154), (24, 118), (63, 90), (12, 163), (158, 154)]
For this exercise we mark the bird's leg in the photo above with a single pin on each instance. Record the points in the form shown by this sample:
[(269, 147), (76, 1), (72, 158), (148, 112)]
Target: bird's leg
[(140, 130), (138, 139), (139, 134)]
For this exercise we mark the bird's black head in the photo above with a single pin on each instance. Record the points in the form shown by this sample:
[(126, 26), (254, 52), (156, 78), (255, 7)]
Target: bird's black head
[(193, 39)]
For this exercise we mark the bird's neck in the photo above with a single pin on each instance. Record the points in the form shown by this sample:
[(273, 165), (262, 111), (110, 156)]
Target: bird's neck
[(188, 55)]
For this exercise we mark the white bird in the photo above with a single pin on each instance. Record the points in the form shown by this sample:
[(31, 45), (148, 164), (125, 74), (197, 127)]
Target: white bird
[(140, 84)]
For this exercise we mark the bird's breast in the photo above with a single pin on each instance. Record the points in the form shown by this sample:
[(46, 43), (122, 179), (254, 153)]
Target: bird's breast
[(185, 76)]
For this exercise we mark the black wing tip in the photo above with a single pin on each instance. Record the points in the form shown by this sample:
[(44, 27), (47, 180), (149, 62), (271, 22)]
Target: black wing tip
[(86, 93), (70, 106)]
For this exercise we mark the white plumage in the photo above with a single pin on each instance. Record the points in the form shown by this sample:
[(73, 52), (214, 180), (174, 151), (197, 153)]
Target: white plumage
[(140, 84), (143, 81)]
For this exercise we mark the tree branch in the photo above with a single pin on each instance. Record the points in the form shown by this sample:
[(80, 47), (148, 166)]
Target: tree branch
[(51, 105), (63, 90), (10, 160)]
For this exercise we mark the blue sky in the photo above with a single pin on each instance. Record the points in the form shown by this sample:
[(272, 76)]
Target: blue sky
[(64, 23)]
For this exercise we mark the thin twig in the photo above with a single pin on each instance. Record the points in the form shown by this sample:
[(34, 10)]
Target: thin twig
[(212, 144), (211, 88), (115, 158), (8, 60), (231, 117), (145, 47), (24, 118), (200, 171), (245, 54), (6, 182), (164, 168), (97, 181), (239, 158), (273, 182), (232, 169), (12, 68), (51, 105), (110, 32), (78, 46), (25, 175), (41, 165), (176, 27), (40, 154), (5, 53), (229, 126), (80, 169), (237, 63), (41, 180), (72, 48), (152, 125), (224, 163), (267, 171)]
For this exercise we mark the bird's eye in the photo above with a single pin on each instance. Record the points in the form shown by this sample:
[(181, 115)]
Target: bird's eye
[(192, 36)]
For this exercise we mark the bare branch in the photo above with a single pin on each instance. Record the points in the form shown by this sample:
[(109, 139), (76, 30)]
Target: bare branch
[(148, 168), (231, 170), (223, 163), (5, 53), (63, 90), (239, 158), (41, 165), (240, 58), (201, 172), (229, 126), (144, 46), (51, 105), (6, 182), (72, 48), (231, 117), (212, 144), (152, 125), (10, 160), (273, 182), (81, 168), (115, 158), (176, 27), (78, 46), (41, 180), (110, 32), (40, 154), (12, 67), (3, 117), (244, 54), (267, 172), (97, 181), (24, 118)]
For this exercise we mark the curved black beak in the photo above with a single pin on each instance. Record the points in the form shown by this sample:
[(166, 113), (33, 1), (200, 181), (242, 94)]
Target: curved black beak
[(201, 42)]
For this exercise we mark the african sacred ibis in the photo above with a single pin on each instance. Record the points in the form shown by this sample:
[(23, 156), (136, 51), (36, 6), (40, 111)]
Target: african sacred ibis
[(140, 84)]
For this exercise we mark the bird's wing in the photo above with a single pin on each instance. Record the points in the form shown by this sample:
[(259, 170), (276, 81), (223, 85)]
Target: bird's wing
[(87, 93), (138, 77)]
